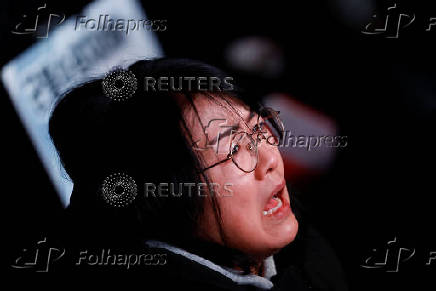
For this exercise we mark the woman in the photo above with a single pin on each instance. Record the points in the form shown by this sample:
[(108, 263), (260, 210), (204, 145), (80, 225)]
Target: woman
[(166, 155)]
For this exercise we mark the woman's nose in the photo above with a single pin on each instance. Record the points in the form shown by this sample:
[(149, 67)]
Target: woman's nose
[(268, 160)]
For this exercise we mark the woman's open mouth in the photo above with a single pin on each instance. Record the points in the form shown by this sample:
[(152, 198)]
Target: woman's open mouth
[(277, 204)]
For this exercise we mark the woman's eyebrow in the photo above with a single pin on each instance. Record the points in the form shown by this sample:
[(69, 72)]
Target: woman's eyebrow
[(232, 128), (225, 133)]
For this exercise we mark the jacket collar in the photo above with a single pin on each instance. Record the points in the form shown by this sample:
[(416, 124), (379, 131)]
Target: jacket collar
[(234, 275)]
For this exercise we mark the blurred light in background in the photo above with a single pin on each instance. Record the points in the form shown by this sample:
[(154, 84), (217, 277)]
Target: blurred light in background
[(256, 55)]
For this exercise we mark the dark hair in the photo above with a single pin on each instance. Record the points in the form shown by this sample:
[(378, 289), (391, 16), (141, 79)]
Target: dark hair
[(145, 137)]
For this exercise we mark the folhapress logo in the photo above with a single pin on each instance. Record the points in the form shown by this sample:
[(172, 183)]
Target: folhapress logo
[(39, 258), (389, 258), (395, 20), (38, 25)]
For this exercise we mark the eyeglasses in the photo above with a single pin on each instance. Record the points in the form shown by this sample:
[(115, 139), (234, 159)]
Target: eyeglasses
[(243, 148)]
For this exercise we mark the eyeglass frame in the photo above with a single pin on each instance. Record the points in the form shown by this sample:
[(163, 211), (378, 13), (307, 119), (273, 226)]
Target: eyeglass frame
[(260, 136)]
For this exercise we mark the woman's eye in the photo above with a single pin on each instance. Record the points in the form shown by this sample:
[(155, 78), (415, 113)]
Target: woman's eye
[(235, 149), (259, 127)]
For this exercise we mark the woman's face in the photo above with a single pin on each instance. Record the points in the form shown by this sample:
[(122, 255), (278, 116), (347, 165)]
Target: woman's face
[(252, 218)]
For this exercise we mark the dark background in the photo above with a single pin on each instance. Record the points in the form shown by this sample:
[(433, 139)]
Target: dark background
[(381, 92)]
